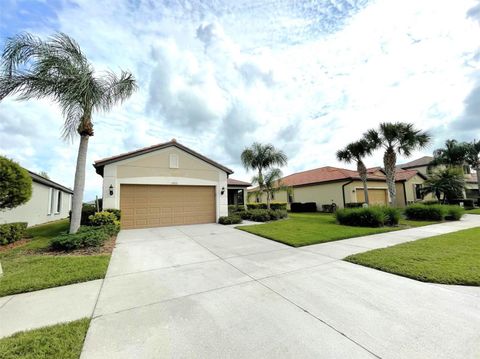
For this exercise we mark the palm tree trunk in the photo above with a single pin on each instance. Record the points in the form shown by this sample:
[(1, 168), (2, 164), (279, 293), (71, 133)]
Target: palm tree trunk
[(268, 199), (362, 171), (389, 162), (79, 184)]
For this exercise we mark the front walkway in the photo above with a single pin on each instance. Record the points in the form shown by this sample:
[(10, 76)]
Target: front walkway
[(209, 291)]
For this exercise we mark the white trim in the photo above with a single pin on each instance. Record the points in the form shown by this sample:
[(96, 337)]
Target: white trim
[(173, 160), (49, 209)]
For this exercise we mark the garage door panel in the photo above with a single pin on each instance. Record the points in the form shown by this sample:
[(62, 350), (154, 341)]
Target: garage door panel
[(375, 196), (153, 205)]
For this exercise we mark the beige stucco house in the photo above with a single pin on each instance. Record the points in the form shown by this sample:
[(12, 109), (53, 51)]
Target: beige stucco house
[(50, 201), (165, 184), (328, 185)]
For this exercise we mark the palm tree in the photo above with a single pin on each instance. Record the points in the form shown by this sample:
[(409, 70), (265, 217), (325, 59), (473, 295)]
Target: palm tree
[(271, 183), (58, 69), (454, 155), (259, 157), (396, 138), (473, 159), (448, 181), (355, 152)]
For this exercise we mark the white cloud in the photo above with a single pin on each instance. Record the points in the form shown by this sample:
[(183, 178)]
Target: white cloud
[(220, 76)]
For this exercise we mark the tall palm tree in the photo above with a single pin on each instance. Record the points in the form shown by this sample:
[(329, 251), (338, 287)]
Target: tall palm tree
[(356, 152), (473, 159), (259, 157), (58, 69), (396, 138), (454, 155), (271, 183)]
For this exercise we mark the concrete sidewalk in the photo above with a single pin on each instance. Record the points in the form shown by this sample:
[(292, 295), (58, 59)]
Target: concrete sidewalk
[(47, 307), (210, 291)]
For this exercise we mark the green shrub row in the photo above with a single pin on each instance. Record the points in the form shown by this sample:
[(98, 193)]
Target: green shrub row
[(89, 210), (230, 219), (434, 212), (273, 205), (303, 207), (256, 215), (12, 232), (85, 237), (103, 219), (374, 216)]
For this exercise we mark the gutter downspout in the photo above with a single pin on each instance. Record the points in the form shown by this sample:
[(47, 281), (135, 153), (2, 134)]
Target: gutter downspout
[(405, 193), (343, 191)]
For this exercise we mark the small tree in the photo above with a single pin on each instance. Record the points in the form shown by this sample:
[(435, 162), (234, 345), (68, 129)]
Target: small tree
[(271, 183), (449, 182), (473, 159), (15, 184)]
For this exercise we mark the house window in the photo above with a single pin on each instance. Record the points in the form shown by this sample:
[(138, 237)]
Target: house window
[(173, 160), (51, 201), (418, 191), (59, 201), (290, 198)]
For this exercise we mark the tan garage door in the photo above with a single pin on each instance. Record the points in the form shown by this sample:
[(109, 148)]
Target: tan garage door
[(146, 206), (375, 196)]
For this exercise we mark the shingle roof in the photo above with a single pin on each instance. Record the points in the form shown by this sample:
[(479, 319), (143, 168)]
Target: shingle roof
[(99, 164), (419, 162), (47, 182), (235, 182)]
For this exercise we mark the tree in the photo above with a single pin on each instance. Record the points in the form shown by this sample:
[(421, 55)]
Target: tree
[(454, 155), (473, 159), (355, 152), (449, 181), (396, 138), (261, 157), (15, 184), (44, 174), (59, 70), (271, 183)]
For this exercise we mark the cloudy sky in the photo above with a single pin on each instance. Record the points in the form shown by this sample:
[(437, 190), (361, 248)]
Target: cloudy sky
[(307, 76)]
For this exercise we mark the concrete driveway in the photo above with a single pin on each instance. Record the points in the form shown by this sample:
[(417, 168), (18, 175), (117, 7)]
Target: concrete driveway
[(210, 291)]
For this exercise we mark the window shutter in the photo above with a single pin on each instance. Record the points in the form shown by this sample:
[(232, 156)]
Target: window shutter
[(173, 160)]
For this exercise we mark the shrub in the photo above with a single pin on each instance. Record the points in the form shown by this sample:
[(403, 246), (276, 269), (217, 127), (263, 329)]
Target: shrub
[(12, 232), (361, 217), (276, 214), (231, 219), (454, 213), (256, 206), (15, 184), (468, 203), (354, 205), (417, 211), (85, 237), (115, 211), (429, 203), (87, 211), (278, 206), (259, 215), (102, 218), (303, 207), (391, 216)]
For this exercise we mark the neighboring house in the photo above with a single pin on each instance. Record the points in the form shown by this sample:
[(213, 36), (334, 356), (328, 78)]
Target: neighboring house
[(165, 184), (421, 165), (327, 185), (237, 192), (50, 201)]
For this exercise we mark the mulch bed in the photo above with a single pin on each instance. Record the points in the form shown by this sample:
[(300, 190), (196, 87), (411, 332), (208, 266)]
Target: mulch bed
[(7, 247)]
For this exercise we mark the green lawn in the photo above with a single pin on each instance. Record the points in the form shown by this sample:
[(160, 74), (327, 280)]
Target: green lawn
[(27, 268), (302, 229), (450, 258), (62, 341), (473, 211)]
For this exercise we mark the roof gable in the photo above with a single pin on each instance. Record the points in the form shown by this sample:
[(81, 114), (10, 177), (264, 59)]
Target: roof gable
[(100, 164)]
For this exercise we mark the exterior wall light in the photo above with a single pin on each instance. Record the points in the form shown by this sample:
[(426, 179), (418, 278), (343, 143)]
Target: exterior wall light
[(111, 190), (222, 191)]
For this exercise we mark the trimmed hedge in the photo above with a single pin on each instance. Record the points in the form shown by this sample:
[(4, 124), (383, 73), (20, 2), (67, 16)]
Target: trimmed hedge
[(102, 219), (87, 211), (368, 217), (273, 205), (354, 205), (115, 211), (231, 219), (434, 212), (303, 207), (12, 232), (85, 237), (264, 215)]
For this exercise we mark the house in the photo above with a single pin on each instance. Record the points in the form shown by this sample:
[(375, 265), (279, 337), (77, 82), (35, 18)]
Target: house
[(50, 201), (421, 165), (328, 185), (166, 184)]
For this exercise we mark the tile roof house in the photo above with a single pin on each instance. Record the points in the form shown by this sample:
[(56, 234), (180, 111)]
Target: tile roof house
[(327, 185)]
